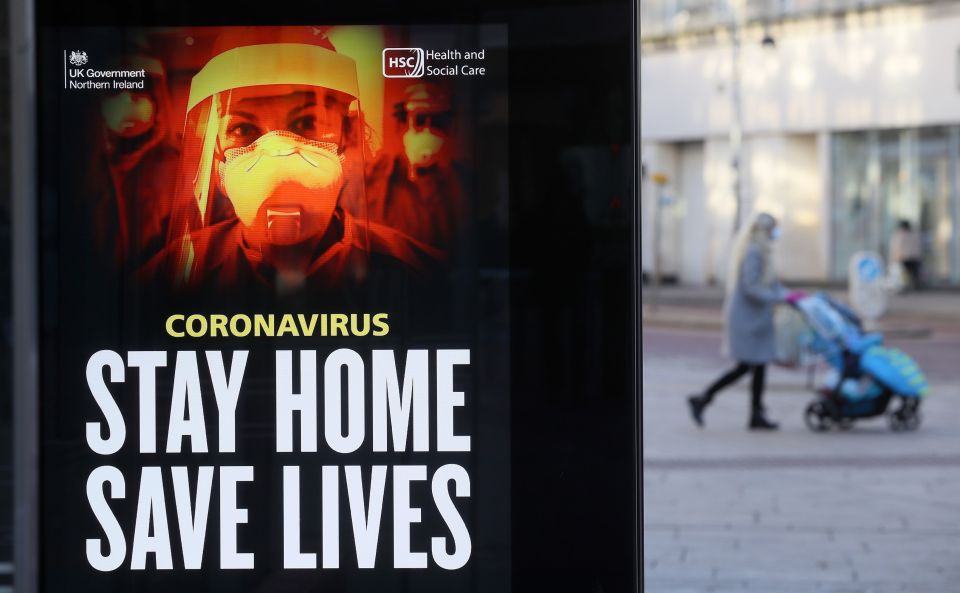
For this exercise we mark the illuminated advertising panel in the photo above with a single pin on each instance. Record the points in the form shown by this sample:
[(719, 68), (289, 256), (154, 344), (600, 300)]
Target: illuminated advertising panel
[(330, 307)]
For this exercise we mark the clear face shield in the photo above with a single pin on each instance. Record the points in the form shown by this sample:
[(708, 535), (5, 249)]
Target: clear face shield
[(269, 150)]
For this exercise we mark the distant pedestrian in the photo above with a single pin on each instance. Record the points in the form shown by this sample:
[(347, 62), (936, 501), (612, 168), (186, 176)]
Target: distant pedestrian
[(906, 249), (752, 293)]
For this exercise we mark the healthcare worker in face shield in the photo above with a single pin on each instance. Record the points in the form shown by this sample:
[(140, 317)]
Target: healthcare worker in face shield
[(140, 159), (427, 113), (281, 164), (419, 191), (266, 128)]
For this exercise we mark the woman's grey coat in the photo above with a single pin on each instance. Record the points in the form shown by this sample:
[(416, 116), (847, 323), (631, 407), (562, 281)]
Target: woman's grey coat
[(750, 334)]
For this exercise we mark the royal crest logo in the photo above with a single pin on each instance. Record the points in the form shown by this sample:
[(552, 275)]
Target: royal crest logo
[(78, 58)]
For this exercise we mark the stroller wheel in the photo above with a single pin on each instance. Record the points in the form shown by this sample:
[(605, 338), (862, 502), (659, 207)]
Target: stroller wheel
[(911, 414), (816, 417), (897, 423), (913, 421), (907, 417)]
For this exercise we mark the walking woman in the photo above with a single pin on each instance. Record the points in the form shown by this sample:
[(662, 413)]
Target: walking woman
[(752, 293)]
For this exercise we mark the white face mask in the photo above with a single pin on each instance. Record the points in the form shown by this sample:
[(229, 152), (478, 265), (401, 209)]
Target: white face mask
[(283, 187), (775, 233), (128, 116), (422, 147)]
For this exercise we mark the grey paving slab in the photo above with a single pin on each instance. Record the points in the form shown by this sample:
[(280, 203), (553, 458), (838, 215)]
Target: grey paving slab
[(725, 509)]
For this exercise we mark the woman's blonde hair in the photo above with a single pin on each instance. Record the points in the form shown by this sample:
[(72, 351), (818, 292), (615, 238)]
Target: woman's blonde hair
[(756, 232)]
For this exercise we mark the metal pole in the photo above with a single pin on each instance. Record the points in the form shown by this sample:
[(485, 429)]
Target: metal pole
[(736, 123), (655, 297), (660, 180), (25, 365), (953, 148)]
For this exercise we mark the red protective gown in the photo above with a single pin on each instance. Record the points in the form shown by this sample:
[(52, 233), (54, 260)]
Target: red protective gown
[(428, 208), (343, 260)]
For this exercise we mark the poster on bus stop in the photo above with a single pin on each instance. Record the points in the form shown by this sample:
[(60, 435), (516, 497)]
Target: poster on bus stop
[(275, 346)]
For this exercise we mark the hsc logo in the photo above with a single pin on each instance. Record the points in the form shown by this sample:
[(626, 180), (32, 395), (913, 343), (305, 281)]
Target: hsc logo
[(403, 62)]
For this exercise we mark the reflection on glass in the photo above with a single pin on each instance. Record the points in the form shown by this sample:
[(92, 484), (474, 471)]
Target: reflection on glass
[(883, 178)]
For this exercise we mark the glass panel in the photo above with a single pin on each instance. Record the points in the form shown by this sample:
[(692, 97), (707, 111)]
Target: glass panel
[(933, 185), (883, 178), (6, 323), (854, 202), (898, 200)]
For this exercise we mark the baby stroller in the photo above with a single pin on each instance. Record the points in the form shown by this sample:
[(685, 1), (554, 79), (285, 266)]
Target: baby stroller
[(865, 379)]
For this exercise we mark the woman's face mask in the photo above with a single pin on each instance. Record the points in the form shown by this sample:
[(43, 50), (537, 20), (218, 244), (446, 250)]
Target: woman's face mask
[(128, 115), (775, 233), (284, 188), (281, 166), (422, 147)]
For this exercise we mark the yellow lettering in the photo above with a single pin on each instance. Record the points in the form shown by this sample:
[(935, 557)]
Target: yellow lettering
[(366, 324), (192, 322), (264, 325), (380, 320), (235, 321), (218, 325), (287, 326), (338, 325), (170, 331), (307, 328)]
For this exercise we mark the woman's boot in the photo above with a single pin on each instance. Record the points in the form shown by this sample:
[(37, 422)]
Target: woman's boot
[(697, 405), (758, 421)]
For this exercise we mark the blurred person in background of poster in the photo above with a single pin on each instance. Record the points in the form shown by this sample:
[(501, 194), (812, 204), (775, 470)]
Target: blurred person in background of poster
[(420, 191), (752, 293), (268, 128), (140, 159), (906, 250)]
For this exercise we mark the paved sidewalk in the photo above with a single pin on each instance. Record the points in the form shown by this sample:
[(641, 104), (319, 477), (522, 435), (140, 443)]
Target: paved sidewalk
[(912, 315), (728, 510), (802, 531)]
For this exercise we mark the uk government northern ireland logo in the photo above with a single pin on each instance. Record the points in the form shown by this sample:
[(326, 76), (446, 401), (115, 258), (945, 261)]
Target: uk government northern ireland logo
[(77, 76)]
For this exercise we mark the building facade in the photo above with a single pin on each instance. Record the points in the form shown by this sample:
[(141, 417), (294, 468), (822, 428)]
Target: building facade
[(840, 120)]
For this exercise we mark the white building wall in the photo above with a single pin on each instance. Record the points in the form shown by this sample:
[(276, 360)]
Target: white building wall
[(721, 205), (784, 175), (824, 153), (693, 215), (685, 214), (873, 70), (657, 158), (781, 174), (897, 68)]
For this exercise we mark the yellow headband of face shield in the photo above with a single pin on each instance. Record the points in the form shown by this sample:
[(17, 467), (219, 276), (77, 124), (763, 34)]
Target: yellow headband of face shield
[(272, 64)]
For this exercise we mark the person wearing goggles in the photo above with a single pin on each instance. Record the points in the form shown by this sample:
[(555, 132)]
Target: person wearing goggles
[(269, 129)]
